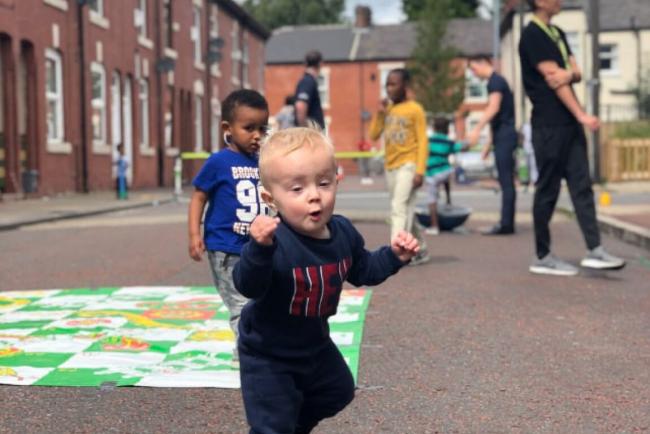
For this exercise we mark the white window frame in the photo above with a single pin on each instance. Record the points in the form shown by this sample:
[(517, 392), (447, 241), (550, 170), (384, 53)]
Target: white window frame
[(198, 123), (384, 70), (612, 56), (168, 42), (143, 115), (324, 87), (195, 36), (245, 64), (99, 7), (56, 97), (215, 127), (59, 4), (573, 38), (141, 25), (97, 15), (98, 104), (472, 119), (168, 130), (116, 108), (235, 55), (472, 80)]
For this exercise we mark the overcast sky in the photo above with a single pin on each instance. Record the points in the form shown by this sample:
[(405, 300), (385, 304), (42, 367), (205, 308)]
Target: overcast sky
[(383, 11)]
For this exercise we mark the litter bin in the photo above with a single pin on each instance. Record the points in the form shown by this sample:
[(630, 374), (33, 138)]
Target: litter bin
[(30, 181)]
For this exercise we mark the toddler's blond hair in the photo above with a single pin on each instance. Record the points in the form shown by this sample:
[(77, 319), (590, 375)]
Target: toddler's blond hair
[(284, 142)]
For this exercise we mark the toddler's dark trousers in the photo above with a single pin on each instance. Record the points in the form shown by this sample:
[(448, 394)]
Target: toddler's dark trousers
[(561, 152), (290, 396), (505, 143)]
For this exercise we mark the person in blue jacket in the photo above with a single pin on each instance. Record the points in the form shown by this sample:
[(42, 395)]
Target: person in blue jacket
[(293, 268)]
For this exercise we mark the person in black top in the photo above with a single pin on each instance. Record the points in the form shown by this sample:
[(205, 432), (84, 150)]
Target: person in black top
[(308, 105), (549, 70), (500, 113), (293, 268)]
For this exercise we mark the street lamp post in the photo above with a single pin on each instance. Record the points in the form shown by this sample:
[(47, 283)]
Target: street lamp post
[(594, 83)]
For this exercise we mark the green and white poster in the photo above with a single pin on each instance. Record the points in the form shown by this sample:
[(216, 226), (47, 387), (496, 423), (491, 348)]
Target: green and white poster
[(136, 336)]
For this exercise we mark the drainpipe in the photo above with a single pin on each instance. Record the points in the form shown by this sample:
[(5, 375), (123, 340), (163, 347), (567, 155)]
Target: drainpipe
[(82, 83), (161, 95), (207, 78)]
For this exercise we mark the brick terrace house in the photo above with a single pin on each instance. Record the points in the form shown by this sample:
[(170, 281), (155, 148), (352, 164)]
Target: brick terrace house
[(77, 78), (357, 59)]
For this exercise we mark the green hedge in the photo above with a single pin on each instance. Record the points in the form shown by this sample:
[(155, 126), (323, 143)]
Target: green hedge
[(632, 130)]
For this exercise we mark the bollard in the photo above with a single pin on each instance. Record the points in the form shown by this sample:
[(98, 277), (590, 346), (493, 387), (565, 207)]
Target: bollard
[(178, 188), (605, 199)]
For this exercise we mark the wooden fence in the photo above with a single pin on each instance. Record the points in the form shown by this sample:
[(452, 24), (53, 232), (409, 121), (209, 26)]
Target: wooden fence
[(626, 159)]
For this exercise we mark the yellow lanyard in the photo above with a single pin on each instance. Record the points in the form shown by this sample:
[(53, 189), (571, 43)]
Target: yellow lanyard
[(554, 34)]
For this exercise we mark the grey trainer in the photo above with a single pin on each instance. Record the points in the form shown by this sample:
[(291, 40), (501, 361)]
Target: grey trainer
[(550, 264), (421, 257), (599, 259)]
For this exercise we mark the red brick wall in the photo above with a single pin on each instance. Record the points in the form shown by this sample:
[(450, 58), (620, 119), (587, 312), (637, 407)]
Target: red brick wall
[(33, 20), (354, 87)]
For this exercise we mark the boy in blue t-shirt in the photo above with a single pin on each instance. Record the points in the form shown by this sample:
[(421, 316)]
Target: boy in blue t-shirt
[(438, 168), (122, 165), (228, 183), (293, 267)]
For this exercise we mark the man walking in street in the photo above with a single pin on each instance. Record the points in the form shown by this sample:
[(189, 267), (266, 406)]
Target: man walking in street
[(549, 70), (308, 104), (500, 113)]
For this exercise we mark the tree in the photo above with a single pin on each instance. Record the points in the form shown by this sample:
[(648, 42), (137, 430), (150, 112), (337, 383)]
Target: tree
[(277, 13), (439, 85), (456, 9)]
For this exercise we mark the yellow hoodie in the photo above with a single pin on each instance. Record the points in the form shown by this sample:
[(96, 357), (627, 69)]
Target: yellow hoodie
[(405, 135)]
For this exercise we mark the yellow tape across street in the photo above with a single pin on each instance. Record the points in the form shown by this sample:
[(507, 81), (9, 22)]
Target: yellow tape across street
[(339, 155)]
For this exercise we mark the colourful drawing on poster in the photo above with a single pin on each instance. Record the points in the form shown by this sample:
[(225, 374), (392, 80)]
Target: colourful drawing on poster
[(136, 336)]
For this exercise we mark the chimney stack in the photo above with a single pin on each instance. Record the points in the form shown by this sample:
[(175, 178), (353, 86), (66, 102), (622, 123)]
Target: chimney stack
[(363, 16)]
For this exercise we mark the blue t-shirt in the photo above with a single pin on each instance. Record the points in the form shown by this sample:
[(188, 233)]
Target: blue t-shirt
[(230, 179), (505, 117), (295, 285), (307, 91)]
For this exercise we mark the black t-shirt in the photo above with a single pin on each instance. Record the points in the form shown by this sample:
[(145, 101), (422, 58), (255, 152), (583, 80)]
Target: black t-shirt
[(307, 91), (535, 47), (506, 114)]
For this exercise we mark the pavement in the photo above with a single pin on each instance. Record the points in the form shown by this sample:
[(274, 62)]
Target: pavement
[(623, 208)]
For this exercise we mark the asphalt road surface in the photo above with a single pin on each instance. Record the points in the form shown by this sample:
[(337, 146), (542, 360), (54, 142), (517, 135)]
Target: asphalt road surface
[(470, 342)]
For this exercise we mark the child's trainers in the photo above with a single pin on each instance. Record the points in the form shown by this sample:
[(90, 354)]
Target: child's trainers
[(422, 257), (432, 231)]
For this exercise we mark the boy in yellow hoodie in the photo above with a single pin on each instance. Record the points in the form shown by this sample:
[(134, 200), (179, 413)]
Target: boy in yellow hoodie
[(402, 123)]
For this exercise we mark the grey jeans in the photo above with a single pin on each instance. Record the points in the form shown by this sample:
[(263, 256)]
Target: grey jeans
[(221, 265)]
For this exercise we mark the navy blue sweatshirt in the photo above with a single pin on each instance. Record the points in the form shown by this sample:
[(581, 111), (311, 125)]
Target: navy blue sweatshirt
[(295, 285)]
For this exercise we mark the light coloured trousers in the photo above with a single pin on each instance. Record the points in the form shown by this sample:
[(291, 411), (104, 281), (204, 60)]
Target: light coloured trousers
[(221, 265), (402, 201)]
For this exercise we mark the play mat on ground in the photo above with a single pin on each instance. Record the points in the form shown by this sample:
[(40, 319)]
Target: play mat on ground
[(136, 336)]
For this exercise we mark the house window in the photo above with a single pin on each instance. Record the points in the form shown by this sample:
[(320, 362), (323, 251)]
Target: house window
[(608, 54), (215, 126), (198, 123), (141, 18), (235, 53), (573, 38), (475, 88), (214, 22), (97, 6), (245, 60), (196, 35), (168, 23), (98, 103), (54, 95), (116, 112), (324, 87), (169, 118), (384, 70), (143, 102)]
